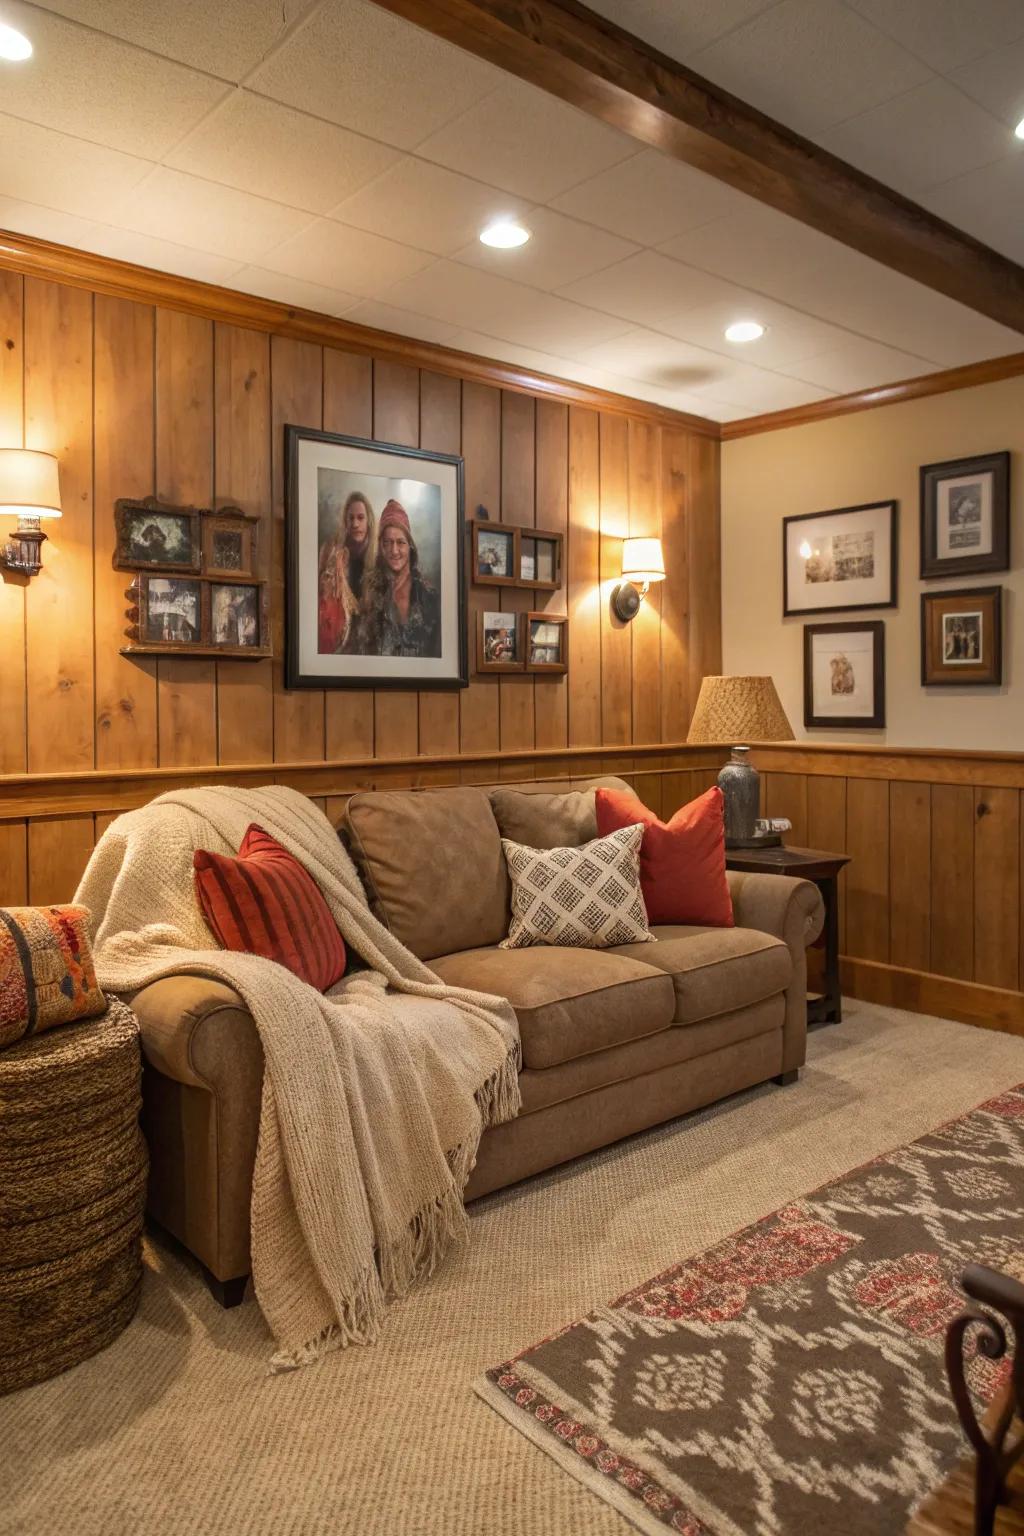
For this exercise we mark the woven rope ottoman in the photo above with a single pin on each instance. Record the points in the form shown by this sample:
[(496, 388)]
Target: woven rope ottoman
[(73, 1168)]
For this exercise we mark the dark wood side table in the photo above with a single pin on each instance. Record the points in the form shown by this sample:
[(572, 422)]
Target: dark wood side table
[(825, 1007)]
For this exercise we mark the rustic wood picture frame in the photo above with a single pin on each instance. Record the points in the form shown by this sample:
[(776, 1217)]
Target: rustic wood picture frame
[(260, 646), (536, 537), (486, 664), (480, 529), (155, 514), (142, 619), (230, 520), (561, 623), (963, 602)]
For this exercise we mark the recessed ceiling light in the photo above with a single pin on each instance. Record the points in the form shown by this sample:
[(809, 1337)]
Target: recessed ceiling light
[(14, 46), (744, 330), (504, 234), (1019, 130)]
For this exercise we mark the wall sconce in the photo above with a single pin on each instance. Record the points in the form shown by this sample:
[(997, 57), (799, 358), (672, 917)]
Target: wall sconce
[(642, 563), (29, 490)]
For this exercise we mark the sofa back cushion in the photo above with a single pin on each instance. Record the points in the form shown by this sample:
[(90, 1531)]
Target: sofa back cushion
[(432, 865), (543, 820)]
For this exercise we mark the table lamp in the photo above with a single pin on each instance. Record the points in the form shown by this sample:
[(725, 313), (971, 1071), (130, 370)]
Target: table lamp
[(29, 490), (740, 709)]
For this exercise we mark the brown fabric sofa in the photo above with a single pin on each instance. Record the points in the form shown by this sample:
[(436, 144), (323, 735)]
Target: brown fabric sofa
[(613, 1041)]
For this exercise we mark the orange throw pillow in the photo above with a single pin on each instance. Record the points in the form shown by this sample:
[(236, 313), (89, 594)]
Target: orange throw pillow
[(682, 862), (264, 903)]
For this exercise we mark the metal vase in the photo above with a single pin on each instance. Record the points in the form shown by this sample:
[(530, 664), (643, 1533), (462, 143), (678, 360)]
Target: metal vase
[(741, 790)]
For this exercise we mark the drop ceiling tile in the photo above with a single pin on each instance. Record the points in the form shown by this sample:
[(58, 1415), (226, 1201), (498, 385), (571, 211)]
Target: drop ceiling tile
[(26, 218), (427, 206), (641, 354), (70, 174), (362, 68), (339, 257), (506, 351), (162, 255), (225, 39), (679, 30), (95, 87), (648, 288), (945, 33), (790, 335), (401, 322), (559, 251), (293, 291), (526, 142), (479, 301), (862, 365), (174, 206), (987, 203), (649, 198), (810, 63), (996, 82), (261, 147), (753, 395), (929, 134)]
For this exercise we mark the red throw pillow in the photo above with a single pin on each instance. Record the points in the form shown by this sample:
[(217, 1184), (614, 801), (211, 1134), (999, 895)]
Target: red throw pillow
[(682, 863), (264, 903)]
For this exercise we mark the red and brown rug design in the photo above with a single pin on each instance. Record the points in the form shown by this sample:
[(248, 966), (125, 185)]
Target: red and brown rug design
[(790, 1381)]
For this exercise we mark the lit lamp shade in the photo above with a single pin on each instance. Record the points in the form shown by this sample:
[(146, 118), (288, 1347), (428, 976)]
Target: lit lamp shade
[(642, 560), (29, 483), (739, 709)]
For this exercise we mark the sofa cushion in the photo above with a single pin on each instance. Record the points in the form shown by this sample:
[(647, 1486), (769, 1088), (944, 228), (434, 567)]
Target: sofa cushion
[(432, 865), (715, 970), (542, 820), (569, 1002)]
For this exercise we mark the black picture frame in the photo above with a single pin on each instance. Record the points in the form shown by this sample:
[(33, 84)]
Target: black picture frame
[(406, 677), (931, 477), (889, 601), (940, 674), (874, 721)]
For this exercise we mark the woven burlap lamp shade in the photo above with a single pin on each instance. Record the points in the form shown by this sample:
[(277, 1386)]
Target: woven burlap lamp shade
[(739, 709)]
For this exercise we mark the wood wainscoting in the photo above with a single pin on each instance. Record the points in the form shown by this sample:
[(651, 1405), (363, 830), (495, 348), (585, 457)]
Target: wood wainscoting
[(931, 914)]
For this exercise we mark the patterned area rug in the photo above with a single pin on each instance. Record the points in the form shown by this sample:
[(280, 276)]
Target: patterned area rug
[(790, 1381)]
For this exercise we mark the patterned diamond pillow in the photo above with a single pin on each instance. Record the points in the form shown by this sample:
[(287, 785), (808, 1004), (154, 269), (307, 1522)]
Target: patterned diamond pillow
[(582, 898)]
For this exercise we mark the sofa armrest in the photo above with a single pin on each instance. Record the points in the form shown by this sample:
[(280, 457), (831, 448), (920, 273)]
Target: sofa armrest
[(197, 1031), (793, 911)]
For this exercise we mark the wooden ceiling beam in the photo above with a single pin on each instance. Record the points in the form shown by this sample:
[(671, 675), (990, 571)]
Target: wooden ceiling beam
[(592, 64)]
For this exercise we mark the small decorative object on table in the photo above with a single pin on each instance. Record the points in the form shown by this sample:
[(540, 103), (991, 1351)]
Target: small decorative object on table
[(965, 516), (962, 637), (844, 674), (740, 709)]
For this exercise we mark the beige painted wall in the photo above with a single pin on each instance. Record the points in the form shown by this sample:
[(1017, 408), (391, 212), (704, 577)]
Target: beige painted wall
[(872, 456)]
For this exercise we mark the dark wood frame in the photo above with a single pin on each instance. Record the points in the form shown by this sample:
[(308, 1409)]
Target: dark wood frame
[(875, 627), (540, 535), (232, 519), (138, 615), (482, 665), (128, 507), (293, 436), (957, 679), (894, 542), (479, 526), (931, 476), (262, 646), (561, 619)]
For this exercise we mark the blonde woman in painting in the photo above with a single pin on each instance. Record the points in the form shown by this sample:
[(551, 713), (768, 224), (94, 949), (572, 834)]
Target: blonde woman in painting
[(345, 559)]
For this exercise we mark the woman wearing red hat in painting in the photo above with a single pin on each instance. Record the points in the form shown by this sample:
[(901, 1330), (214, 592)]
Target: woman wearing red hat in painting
[(400, 614)]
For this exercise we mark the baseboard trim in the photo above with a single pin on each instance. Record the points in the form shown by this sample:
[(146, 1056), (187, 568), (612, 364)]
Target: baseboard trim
[(968, 1002)]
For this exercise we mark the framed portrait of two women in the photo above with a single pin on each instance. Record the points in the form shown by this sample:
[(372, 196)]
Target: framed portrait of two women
[(376, 594)]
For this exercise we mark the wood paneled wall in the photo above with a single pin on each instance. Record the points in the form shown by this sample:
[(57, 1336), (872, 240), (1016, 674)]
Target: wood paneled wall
[(137, 399)]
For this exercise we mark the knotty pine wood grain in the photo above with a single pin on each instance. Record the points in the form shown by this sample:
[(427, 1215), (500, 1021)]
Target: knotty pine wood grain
[(676, 701), (481, 448), (616, 637), (787, 796), (13, 701), (396, 419), (645, 522), (952, 880), (826, 829), (13, 863), (516, 731), (867, 876), (583, 577), (551, 690), (997, 887), (441, 432), (58, 851), (703, 526), (910, 891)]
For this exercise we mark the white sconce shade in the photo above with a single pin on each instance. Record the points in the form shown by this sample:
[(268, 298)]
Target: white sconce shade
[(642, 560), (29, 483)]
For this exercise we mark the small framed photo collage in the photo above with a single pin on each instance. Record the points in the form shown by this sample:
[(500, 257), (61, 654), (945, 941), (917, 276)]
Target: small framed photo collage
[(194, 589), (509, 640), (845, 560)]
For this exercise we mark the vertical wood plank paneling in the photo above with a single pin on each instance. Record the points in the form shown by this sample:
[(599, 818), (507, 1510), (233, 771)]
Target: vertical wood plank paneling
[(186, 688), (13, 742), (58, 851), (584, 578), (13, 864), (952, 880), (348, 408), (997, 887), (296, 398), (551, 693), (910, 854), (123, 431), (481, 449), (245, 689), (867, 883), (676, 703), (396, 419), (616, 637), (58, 602), (826, 829), (441, 432), (645, 522), (705, 550), (518, 492), (787, 796)]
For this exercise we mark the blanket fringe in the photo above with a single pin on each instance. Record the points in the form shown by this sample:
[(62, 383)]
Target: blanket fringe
[(499, 1099), (361, 1316)]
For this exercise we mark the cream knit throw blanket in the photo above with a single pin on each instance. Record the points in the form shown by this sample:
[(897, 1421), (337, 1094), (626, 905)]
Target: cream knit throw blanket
[(374, 1097)]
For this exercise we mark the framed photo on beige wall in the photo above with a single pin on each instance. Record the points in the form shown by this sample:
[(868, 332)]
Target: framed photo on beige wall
[(844, 675), (840, 560), (962, 637)]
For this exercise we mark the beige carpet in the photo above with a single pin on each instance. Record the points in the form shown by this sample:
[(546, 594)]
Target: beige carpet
[(177, 1429)]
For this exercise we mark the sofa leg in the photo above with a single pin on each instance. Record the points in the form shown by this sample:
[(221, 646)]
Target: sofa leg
[(785, 1078), (229, 1293)]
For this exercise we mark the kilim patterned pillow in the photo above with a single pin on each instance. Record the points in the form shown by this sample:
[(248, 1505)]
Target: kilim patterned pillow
[(584, 898), (46, 971)]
